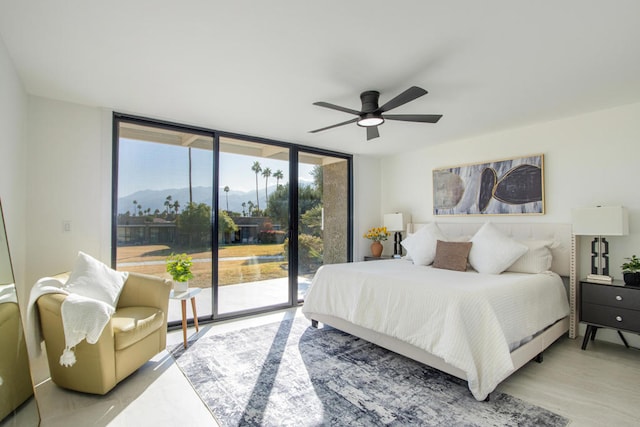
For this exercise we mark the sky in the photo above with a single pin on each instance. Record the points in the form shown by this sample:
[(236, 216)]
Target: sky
[(153, 166)]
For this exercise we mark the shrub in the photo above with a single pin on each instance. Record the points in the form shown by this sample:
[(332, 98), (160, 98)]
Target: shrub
[(310, 255)]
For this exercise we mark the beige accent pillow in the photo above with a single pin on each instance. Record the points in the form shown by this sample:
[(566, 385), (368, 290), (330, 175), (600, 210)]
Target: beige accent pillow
[(452, 255)]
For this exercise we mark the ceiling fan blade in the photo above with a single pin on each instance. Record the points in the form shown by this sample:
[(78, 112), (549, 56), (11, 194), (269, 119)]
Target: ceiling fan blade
[(336, 107), (336, 125), (372, 132), (423, 118), (407, 96)]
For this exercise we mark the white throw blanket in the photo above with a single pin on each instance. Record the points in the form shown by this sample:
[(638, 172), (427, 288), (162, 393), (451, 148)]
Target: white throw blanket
[(82, 318), (8, 293)]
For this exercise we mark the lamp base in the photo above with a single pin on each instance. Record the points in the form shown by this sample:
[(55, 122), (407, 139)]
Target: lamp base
[(397, 247), (597, 278)]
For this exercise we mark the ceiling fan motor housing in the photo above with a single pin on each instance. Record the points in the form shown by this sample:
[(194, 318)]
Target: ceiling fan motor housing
[(369, 101)]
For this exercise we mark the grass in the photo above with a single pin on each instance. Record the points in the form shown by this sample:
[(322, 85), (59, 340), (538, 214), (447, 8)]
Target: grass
[(230, 272)]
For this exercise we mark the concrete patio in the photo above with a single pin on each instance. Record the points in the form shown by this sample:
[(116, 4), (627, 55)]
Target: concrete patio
[(243, 296)]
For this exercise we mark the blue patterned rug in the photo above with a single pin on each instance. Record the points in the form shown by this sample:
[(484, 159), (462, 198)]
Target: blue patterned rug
[(288, 373)]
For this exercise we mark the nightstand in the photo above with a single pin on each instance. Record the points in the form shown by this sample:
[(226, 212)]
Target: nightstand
[(614, 306), (376, 258)]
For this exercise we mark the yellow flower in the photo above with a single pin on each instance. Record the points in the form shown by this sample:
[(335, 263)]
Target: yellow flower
[(377, 234)]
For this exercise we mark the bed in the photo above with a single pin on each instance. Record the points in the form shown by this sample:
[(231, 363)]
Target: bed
[(477, 326)]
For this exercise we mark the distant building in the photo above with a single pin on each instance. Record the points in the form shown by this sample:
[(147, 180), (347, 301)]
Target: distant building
[(139, 230)]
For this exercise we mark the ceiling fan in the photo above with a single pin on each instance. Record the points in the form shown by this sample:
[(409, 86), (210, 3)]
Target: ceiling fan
[(371, 116)]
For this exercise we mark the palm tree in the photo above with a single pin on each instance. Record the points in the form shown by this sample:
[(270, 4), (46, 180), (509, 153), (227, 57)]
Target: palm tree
[(266, 173), (257, 169), (244, 205), (278, 175), (251, 205), (176, 206), (190, 178), (226, 190), (167, 203)]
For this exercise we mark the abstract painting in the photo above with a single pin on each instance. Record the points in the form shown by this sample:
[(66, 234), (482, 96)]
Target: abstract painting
[(503, 187)]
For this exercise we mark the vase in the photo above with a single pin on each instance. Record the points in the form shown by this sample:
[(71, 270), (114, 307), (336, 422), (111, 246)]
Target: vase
[(180, 286), (631, 279), (376, 249)]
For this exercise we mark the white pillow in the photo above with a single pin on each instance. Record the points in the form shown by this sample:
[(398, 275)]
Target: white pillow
[(536, 260), (421, 245), (93, 279), (493, 251)]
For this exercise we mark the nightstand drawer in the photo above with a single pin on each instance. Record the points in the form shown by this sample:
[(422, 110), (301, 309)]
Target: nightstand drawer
[(613, 296), (618, 318)]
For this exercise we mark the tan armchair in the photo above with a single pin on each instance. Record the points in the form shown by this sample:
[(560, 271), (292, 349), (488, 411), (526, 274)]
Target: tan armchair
[(15, 378), (137, 332)]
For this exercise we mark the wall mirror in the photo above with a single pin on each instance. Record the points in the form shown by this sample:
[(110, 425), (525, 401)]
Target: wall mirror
[(17, 402)]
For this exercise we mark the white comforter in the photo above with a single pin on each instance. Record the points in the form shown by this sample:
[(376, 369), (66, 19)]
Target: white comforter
[(466, 318)]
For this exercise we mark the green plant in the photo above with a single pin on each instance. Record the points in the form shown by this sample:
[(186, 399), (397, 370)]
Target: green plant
[(179, 266), (633, 266)]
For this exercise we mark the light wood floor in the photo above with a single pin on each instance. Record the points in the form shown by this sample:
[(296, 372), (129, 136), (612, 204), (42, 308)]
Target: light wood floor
[(599, 386)]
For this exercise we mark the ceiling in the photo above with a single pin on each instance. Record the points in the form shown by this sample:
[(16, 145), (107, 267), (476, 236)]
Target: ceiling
[(256, 67)]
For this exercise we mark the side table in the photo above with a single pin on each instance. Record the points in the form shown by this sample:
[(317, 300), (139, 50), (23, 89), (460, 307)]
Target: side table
[(614, 306), (183, 296), (376, 258)]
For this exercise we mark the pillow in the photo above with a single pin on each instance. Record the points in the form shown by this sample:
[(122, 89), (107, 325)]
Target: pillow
[(536, 260), (493, 251), (408, 255), (421, 245), (93, 279), (458, 238), (452, 255)]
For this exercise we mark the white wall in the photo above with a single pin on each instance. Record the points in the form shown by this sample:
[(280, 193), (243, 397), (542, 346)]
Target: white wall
[(69, 180), (589, 160), (13, 165), (366, 202)]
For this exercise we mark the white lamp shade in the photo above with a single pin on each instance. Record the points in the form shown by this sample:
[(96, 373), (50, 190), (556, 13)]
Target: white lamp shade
[(394, 221), (601, 221)]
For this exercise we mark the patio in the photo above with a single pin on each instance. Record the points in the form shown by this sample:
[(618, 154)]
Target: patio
[(243, 296)]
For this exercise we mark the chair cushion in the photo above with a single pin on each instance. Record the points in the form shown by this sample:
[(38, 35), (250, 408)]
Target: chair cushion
[(131, 324)]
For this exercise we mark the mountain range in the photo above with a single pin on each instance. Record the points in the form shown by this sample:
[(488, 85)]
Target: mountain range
[(155, 199)]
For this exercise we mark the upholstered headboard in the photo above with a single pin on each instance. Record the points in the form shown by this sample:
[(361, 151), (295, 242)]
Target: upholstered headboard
[(563, 252), (558, 233)]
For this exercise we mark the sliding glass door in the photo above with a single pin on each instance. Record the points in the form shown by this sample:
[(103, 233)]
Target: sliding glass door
[(163, 204), (257, 217), (323, 214), (253, 226)]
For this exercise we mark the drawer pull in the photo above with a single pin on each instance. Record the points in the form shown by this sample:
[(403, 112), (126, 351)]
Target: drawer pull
[(618, 298), (619, 318)]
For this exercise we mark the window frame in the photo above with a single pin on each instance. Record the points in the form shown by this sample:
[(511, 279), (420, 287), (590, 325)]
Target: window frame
[(294, 151)]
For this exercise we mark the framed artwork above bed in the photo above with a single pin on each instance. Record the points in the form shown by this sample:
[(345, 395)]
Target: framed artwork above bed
[(503, 187)]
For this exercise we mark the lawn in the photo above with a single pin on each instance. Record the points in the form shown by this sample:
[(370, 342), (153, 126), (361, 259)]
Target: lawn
[(230, 272)]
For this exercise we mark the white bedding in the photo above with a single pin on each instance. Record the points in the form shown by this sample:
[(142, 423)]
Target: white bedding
[(466, 318)]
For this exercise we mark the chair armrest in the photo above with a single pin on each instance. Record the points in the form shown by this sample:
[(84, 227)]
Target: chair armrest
[(146, 291), (51, 303)]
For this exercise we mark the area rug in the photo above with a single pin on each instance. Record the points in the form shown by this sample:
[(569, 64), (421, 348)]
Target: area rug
[(288, 373)]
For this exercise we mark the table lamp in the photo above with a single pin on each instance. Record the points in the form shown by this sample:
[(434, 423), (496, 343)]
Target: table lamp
[(395, 222), (600, 221)]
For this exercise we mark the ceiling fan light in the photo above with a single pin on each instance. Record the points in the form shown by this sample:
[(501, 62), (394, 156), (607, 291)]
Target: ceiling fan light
[(369, 120)]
